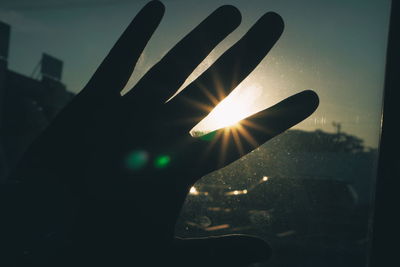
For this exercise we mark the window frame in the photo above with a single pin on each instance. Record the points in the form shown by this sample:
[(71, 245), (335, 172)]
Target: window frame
[(384, 223)]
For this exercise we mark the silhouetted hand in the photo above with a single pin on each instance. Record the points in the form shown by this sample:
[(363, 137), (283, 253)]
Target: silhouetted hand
[(86, 205)]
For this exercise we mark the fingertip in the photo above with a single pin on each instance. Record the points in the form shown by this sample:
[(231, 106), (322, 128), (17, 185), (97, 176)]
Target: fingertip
[(274, 21), (230, 13), (312, 98), (156, 7)]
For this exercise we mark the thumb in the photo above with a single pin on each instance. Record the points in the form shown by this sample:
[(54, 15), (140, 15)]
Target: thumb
[(229, 250)]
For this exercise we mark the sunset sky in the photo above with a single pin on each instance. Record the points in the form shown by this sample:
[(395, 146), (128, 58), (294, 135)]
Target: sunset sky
[(336, 48)]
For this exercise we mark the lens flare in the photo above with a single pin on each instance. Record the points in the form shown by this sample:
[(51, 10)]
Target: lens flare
[(136, 160), (162, 161)]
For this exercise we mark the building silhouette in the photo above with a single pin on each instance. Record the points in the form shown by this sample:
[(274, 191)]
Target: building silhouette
[(27, 104)]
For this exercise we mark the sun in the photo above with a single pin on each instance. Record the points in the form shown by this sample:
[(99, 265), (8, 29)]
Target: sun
[(227, 121), (230, 111), (227, 114)]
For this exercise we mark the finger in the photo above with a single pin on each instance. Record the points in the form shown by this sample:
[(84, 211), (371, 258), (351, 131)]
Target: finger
[(230, 250), (230, 144), (164, 79), (231, 68), (117, 67)]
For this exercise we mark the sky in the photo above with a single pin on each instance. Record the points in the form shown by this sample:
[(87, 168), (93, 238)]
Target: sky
[(336, 48)]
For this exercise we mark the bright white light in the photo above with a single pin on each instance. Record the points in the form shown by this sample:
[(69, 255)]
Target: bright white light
[(265, 178), (236, 192), (227, 114), (237, 106), (234, 108), (193, 191)]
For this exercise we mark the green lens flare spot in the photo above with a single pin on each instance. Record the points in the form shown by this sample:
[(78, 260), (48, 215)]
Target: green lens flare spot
[(208, 137), (162, 161), (136, 160)]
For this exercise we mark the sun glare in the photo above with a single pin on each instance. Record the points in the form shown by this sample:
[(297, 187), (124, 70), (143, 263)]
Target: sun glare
[(230, 115), (227, 114), (230, 111)]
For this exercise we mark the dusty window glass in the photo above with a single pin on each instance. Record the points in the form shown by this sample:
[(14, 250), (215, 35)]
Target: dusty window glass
[(309, 191)]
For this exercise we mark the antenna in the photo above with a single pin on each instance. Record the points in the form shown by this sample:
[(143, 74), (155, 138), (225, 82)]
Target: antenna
[(35, 73)]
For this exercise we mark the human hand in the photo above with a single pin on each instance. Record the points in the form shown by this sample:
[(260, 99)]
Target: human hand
[(105, 213)]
